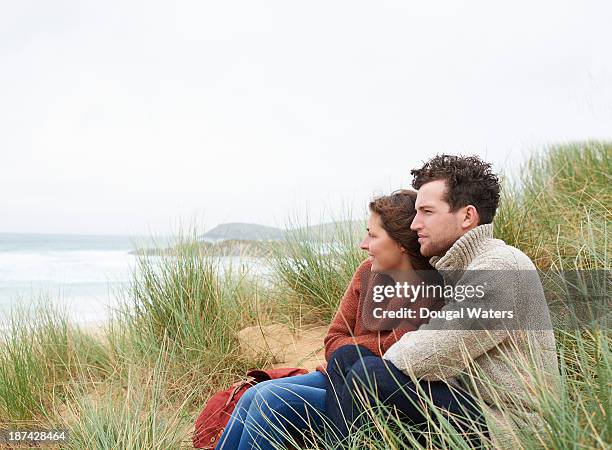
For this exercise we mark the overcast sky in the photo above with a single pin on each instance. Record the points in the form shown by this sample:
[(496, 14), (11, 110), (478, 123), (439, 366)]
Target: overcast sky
[(132, 117)]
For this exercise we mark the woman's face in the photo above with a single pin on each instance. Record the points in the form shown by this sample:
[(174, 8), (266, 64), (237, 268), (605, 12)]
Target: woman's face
[(384, 252)]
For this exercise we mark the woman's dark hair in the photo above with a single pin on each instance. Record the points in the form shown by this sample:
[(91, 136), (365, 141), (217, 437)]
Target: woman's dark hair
[(396, 212)]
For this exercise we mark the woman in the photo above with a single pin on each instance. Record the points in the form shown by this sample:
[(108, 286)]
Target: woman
[(269, 411)]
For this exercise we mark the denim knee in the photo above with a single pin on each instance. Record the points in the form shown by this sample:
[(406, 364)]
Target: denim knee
[(367, 370), (378, 377), (344, 357), (244, 402), (369, 365), (247, 398), (268, 397)]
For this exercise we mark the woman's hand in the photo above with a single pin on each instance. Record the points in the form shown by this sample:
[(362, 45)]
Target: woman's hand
[(322, 368)]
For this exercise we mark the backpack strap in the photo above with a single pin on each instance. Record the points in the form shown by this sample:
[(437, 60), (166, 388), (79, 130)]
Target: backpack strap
[(238, 386)]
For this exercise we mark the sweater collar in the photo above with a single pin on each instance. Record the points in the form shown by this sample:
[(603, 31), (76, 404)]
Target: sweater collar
[(465, 249)]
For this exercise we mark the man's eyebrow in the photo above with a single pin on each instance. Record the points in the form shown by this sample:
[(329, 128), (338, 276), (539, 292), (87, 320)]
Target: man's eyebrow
[(425, 206)]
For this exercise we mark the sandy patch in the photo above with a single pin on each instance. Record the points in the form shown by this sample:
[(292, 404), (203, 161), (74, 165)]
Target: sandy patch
[(302, 348)]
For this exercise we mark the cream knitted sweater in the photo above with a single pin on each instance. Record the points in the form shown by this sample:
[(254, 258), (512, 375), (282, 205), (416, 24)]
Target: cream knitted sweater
[(488, 363)]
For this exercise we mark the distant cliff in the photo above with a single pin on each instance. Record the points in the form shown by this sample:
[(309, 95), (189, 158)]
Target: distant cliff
[(243, 232), (254, 232), (249, 239)]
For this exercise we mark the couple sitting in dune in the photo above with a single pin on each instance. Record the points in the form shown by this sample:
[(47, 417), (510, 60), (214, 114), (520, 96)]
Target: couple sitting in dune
[(424, 370)]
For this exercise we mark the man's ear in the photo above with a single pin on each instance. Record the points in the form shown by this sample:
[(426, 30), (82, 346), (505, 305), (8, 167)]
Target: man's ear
[(470, 218)]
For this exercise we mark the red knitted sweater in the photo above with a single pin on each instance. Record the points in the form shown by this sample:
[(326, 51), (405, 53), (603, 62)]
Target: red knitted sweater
[(347, 327)]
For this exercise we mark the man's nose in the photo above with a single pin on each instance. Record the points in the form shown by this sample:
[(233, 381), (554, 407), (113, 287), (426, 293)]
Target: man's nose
[(416, 223)]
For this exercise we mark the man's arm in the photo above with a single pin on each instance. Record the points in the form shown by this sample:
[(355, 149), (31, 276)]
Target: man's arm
[(441, 354)]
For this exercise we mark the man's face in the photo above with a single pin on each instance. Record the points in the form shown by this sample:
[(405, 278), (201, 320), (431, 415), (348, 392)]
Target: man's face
[(438, 228)]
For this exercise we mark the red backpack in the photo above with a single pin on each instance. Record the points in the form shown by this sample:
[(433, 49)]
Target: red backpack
[(215, 415)]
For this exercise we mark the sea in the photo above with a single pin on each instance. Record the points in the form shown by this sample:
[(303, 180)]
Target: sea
[(79, 274)]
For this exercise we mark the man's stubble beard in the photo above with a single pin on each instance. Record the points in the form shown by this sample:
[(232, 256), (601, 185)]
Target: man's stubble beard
[(441, 247)]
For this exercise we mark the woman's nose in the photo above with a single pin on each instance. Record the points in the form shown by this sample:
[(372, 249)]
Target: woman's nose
[(364, 244)]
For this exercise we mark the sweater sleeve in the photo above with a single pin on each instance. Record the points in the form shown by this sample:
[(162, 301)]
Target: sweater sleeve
[(342, 329), (443, 349), (392, 337)]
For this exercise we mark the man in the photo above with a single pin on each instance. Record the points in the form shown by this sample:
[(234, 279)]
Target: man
[(468, 369)]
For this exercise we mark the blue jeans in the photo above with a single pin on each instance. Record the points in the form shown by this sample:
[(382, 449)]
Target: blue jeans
[(358, 377), (267, 412)]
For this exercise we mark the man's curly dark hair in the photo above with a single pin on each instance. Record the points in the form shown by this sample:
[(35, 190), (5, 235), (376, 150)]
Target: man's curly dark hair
[(469, 181)]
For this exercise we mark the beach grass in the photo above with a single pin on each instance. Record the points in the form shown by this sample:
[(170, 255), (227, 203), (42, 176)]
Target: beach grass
[(138, 412), (140, 381), (189, 307), (39, 355), (558, 210), (313, 267)]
